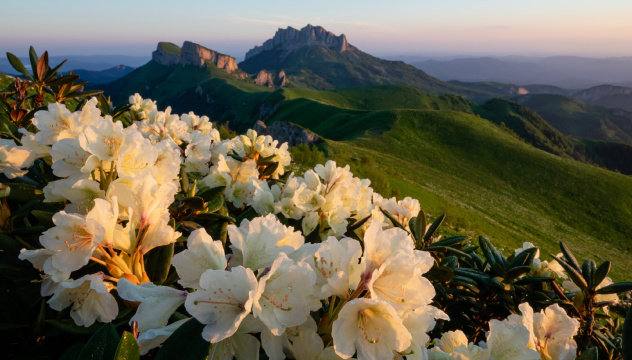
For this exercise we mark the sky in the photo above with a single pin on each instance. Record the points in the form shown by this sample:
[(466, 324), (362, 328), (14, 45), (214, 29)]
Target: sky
[(396, 27)]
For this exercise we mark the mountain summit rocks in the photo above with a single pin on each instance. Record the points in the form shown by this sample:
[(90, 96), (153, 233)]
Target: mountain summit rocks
[(290, 39), (192, 54)]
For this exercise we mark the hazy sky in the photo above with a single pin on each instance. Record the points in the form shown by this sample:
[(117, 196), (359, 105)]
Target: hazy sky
[(429, 27)]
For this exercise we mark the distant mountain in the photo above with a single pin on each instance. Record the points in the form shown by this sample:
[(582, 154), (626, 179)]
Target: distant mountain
[(315, 58), (91, 62), (104, 76), (563, 71), (615, 97), (580, 119)]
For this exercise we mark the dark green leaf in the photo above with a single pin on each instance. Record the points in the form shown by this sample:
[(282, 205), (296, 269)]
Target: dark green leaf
[(627, 336), (52, 72), (534, 280), (18, 66), (270, 169), (158, 262), (248, 214), (44, 217), (588, 268), (524, 258), (450, 261), (568, 255), (33, 58), (574, 274), (517, 271), (433, 228), (600, 274), (186, 343), (127, 348), (458, 252), (486, 248), (102, 344), (24, 192), (212, 194), (193, 202), (440, 273), (358, 224), (616, 288), (89, 93), (449, 241), (393, 220), (215, 204), (420, 227), (215, 216), (590, 354), (72, 353)]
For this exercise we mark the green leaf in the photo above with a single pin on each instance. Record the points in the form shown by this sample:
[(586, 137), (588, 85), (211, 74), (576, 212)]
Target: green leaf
[(127, 348), (517, 271), (158, 263), (393, 220), (573, 273), (44, 217), (24, 192), (616, 288), (433, 228), (590, 354), (18, 66), (186, 343), (89, 93), (72, 353), (452, 240), (52, 72), (420, 227), (627, 336), (33, 58), (215, 216), (524, 258), (440, 273), (487, 251), (193, 202), (600, 274), (588, 268), (102, 344), (534, 280), (63, 80), (568, 255), (211, 194)]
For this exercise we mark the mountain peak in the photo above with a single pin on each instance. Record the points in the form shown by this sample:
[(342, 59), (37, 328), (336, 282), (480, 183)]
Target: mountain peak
[(290, 39), (192, 54)]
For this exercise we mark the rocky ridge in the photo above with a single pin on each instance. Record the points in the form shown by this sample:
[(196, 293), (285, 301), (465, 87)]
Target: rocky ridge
[(193, 54), (265, 78), (286, 132), (290, 39)]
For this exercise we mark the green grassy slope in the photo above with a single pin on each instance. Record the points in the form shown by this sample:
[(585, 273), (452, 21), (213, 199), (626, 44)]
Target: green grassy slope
[(580, 119), (485, 179), (210, 91)]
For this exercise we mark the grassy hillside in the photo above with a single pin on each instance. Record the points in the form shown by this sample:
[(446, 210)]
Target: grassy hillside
[(579, 119), (485, 179), (210, 91)]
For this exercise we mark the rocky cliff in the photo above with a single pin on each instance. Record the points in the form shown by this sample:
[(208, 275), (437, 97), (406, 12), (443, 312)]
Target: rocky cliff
[(192, 54), (264, 78), (290, 39), (286, 132)]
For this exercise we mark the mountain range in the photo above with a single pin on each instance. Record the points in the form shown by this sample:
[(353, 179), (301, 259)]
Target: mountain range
[(495, 166)]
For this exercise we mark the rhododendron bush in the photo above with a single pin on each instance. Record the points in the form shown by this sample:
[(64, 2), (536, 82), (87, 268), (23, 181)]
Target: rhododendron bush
[(146, 234)]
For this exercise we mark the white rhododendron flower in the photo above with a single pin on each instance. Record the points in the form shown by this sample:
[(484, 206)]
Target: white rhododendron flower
[(370, 327), (257, 243), (284, 295), (509, 342), (89, 297), (58, 122), (225, 299), (202, 254), (73, 239), (402, 210), (157, 303), (13, 159), (153, 338), (381, 244), (337, 267), (302, 341)]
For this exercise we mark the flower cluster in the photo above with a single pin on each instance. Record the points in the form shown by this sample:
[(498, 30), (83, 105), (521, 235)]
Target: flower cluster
[(316, 266)]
